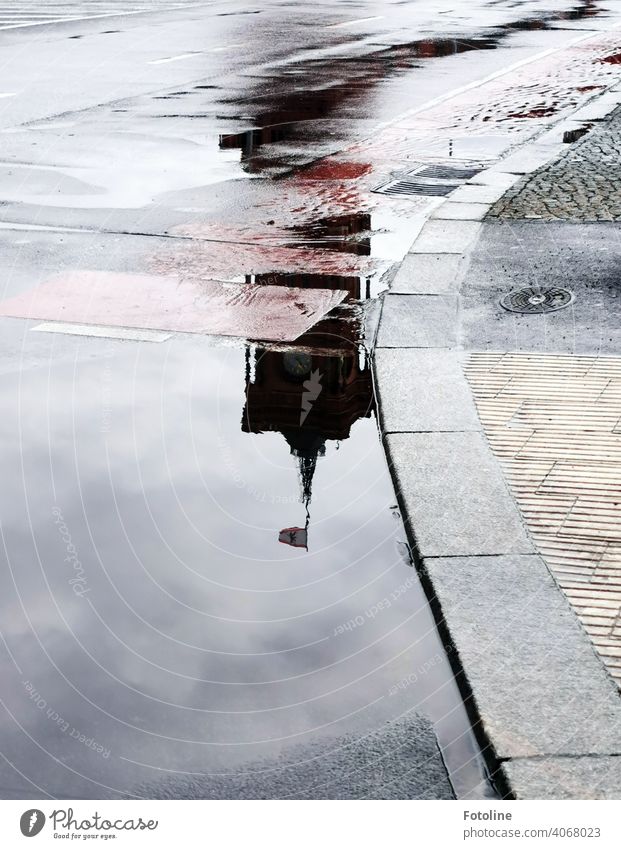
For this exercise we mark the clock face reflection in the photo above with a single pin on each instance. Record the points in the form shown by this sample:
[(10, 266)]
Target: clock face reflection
[(297, 363)]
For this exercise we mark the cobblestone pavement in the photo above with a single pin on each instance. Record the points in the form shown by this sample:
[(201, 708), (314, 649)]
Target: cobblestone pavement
[(583, 185)]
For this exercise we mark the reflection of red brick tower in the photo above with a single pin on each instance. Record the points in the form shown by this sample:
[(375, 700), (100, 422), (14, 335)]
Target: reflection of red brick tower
[(341, 329), (352, 285), (278, 393)]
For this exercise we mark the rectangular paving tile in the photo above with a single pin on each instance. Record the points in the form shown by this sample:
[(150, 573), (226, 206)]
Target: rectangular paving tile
[(427, 274), (529, 159), (472, 193), (538, 685), (456, 500), (449, 237), (498, 179), (424, 390), (564, 778), (418, 321), (460, 212), (275, 313)]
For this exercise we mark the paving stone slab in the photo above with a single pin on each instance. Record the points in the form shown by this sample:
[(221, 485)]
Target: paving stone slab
[(529, 159), (556, 133), (427, 274), (471, 193), (461, 212), (599, 108), (418, 321), (499, 179), (446, 237), (564, 778), (538, 685), (401, 761), (455, 498), (424, 390)]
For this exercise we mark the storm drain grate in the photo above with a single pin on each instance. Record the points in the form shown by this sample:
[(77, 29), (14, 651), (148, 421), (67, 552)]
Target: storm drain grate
[(417, 187), (536, 300), (447, 172), (436, 179)]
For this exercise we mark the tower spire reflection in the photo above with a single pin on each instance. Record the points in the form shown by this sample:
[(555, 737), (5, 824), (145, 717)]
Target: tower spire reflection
[(312, 394)]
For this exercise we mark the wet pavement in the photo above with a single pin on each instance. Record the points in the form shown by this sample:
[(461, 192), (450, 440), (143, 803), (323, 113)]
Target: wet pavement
[(206, 574), (213, 573)]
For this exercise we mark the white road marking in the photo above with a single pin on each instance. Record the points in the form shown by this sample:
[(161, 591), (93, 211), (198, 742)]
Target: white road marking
[(10, 19), (127, 333), (352, 23), (175, 58), (225, 47), (8, 94), (42, 228)]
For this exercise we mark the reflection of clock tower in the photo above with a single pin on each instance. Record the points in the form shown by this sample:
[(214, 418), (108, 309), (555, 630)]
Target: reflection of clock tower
[(310, 396)]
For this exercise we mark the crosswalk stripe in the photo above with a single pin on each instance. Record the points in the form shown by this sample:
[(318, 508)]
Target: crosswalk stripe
[(27, 14)]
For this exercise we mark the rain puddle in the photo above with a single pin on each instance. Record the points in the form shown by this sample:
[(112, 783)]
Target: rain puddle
[(214, 573)]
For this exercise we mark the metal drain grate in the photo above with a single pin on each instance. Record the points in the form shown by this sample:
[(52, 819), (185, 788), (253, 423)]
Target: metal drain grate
[(447, 172), (536, 300), (435, 179), (417, 187)]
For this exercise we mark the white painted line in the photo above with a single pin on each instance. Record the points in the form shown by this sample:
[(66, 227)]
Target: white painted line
[(110, 14), (43, 228), (353, 23), (225, 47), (49, 126), (8, 94), (126, 333), (175, 58)]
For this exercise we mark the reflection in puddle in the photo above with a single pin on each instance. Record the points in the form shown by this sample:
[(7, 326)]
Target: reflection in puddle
[(310, 397), (215, 645), (357, 288), (297, 107), (537, 112), (344, 233), (586, 9)]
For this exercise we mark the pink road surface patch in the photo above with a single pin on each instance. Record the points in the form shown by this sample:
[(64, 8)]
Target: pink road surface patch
[(248, 311)]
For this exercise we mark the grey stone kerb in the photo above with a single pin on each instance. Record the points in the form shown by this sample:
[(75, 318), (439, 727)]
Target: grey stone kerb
[(546, 712)]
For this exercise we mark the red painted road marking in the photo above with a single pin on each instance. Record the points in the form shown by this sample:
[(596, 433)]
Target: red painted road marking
[(270, 313)]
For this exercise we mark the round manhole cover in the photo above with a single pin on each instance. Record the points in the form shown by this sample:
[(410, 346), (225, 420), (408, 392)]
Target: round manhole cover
[(537, 299)]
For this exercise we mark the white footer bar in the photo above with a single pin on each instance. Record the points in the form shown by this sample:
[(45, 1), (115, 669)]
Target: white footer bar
[(308, 825)]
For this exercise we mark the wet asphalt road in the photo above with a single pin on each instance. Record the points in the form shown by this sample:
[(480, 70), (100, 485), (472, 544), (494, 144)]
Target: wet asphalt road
[(159, 638)]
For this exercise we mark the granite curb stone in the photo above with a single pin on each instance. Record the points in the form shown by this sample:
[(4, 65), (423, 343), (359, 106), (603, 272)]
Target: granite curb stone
[(451, 237), (539, 691), (418, 321), (564, 778), (427, 274), (424, 390), (463, 211), (455, 496)]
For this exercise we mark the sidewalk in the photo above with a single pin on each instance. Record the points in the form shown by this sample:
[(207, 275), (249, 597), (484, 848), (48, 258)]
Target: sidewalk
[(502, 430)]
